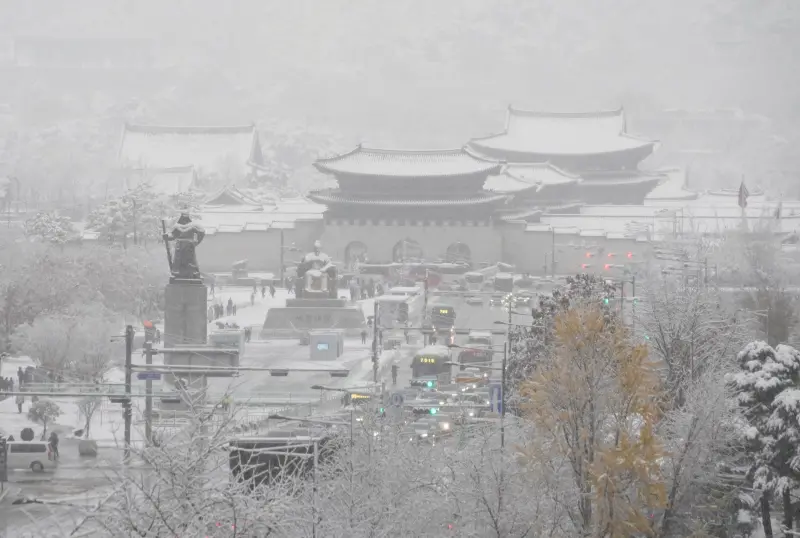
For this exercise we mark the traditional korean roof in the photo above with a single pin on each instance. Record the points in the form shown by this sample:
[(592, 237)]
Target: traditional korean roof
[(672, 188), (563, 133), (519, 177), (230, 195), (334, 197), (207, 149), (622, 178), (408, 163)]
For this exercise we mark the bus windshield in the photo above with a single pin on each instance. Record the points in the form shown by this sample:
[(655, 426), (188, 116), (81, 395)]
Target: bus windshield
[(443, 316), (430, 361), (504, 282)]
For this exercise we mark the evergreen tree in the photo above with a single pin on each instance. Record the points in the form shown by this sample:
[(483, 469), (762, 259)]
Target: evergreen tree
[(767, 391)]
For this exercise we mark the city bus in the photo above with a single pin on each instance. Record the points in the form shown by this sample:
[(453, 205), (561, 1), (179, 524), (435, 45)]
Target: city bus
[(428, 363), (504, 282), (397, 310), (474, 281), (443, 322)]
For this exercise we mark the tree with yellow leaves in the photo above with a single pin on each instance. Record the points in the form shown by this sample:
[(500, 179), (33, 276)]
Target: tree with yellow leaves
[(595, 405)]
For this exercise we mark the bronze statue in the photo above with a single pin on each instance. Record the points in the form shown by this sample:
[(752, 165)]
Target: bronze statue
[(316, 275), (186, 235)]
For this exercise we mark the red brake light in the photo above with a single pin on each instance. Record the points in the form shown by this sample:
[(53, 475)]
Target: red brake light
[(588, 254), (607, 267), (630, 254)]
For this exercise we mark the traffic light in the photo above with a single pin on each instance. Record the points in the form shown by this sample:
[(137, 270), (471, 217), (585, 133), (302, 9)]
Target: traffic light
[(646, 337), (605, 300), (430, 384), (434, 410)]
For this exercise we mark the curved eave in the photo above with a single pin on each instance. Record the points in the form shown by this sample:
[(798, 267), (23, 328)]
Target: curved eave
[(566, 115), (622, 181), (483, 165), (479, 144), (332, 200)]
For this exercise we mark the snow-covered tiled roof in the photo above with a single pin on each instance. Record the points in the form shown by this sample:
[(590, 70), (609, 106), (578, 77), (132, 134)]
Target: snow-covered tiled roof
[(207, 149), (519, 177), (230, 195), (407, 163), (335, 197), (563, 133), (673, 187)]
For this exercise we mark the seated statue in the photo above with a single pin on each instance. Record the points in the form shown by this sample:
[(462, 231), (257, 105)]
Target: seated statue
[(316, 276)]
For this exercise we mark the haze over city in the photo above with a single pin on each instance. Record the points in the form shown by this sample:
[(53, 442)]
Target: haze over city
[(452, 268)]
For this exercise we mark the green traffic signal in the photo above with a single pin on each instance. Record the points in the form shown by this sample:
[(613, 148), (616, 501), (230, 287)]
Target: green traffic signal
[(430, 384), (605, 301), (646, 337), (434, 410)]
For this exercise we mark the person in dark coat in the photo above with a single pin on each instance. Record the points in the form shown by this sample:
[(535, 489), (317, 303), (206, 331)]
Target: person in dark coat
[(364, 336), (21, 376)]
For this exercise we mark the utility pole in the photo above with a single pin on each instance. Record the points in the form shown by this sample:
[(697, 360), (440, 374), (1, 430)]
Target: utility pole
[(148, 403), (506, 351), (425, 308), (135, 238), (553, 256), (280, 271), (633, 293), (375, 342), (126, 405)]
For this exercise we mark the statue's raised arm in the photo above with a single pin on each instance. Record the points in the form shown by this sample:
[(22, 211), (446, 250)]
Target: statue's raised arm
[(186, 235)]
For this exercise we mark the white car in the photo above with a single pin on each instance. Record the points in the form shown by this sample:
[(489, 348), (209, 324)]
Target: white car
[(31, 455), (474, 300)]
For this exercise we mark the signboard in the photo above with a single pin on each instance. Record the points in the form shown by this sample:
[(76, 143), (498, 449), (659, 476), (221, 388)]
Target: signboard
[(148, 376), (396, 399), (427, 360), (496, 397), (3, 461)]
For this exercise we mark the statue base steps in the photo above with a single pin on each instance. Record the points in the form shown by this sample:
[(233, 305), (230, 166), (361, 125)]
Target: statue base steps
[(316, 303)]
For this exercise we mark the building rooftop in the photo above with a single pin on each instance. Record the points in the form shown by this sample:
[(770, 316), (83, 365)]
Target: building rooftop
[(207, 149), (519, 177), (334, 197), (563, 133), (407, 163)]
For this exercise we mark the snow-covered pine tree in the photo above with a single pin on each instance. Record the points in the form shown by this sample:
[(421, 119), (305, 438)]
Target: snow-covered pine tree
[(767, 391)]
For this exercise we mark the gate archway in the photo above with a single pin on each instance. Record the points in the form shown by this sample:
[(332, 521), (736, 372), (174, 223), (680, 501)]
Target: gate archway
[(458, 252)]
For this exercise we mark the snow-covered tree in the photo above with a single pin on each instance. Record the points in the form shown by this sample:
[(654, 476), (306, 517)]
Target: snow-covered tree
[(135, 216), (688, 330), (767, 392), (44, 412), (595, 404), (51, 227), (75, 343), (530, 343)]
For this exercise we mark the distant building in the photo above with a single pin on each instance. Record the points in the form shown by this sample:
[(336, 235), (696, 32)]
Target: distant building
[(405, 204), (171, 159), (594, 146)]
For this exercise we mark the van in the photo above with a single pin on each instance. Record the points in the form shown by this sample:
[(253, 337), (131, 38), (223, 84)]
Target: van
[(32, 455)]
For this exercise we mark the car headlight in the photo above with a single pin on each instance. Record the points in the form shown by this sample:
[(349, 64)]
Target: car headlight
[(424, 435), (445, 426), (472, 413)]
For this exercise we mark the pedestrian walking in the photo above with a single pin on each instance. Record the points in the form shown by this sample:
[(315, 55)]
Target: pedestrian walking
[(264, 290), (234, 310), (53, 442), (10, 384), (21, 376), (20, 400), (272, 290), (395, 368), (364, 336), (253, 298), (229, 309)]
